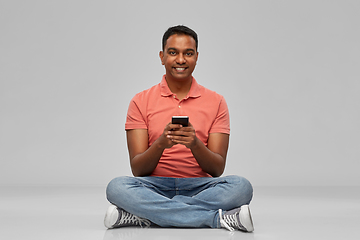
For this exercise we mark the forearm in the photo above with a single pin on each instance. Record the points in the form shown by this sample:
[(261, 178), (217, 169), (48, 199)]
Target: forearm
[(211, 162), (144, 164)]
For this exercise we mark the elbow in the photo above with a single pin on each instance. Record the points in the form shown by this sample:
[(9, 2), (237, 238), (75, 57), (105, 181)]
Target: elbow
[(217, 173), (219, 170), (135, 174), (135, 171), (139, 172)]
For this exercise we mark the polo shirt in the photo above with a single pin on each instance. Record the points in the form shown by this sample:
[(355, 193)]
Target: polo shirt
[(152, 109)]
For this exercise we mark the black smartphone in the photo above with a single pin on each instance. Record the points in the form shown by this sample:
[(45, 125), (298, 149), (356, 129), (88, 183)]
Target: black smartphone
[(183, 120)]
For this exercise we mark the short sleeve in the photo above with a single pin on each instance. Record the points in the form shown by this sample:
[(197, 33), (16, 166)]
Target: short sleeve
[(221, 123), (135, 118)]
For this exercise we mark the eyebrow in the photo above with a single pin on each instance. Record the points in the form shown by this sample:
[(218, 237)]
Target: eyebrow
[(186, 50)]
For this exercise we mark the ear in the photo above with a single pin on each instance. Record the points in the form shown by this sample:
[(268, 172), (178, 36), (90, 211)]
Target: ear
[(161, 55)]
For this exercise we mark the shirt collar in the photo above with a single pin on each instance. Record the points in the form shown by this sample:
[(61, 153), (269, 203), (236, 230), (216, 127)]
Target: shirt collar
[(166, 92)]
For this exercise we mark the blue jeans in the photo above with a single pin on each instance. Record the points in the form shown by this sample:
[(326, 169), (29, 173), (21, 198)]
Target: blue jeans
[(179, 202)]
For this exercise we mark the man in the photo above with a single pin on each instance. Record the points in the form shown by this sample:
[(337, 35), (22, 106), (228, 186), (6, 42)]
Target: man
[(177, 168)]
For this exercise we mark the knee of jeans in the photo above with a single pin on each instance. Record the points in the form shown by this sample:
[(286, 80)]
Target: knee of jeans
[(115, 187), (244, 186), (248, 189)]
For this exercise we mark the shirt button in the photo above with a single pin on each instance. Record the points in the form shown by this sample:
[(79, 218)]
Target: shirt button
[(174, 96), (179, 106)]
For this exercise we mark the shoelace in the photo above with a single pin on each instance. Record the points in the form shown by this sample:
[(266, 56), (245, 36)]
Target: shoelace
[(228, 221), (128, 218)]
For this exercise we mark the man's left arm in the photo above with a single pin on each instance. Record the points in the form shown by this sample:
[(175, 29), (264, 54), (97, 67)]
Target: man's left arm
[(212, 158)]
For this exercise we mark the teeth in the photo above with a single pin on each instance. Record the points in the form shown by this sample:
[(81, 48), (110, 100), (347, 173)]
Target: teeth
[(180, 69)]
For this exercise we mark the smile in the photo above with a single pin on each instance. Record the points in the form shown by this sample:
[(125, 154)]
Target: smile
[(180, 69)]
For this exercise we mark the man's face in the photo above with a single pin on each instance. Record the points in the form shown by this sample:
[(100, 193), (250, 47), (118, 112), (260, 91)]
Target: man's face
[(179, 57)]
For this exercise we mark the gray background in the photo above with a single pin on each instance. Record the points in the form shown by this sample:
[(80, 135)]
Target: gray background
[(289, 71)]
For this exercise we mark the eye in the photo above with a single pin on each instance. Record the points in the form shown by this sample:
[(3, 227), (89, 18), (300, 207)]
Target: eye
[(189, 54), (172, 53)]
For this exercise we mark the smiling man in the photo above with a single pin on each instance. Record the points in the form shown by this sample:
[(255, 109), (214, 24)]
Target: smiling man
[(177, 169), (179, 58)]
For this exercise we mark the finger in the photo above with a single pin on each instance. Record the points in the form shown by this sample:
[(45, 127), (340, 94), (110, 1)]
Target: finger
[(178, 141), (187, 129), (180, 138), (174, 126), (179, 133), (184, 133)]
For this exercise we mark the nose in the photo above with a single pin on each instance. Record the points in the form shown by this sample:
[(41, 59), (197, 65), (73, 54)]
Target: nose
[(180, 59)]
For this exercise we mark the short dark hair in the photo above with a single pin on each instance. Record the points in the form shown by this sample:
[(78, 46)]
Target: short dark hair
[(180, 30)]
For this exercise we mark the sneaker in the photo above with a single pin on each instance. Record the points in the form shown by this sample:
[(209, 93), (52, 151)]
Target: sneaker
[(238, 218), (117, 217)]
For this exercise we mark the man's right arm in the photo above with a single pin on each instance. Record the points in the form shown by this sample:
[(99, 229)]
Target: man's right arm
[(144, 159)]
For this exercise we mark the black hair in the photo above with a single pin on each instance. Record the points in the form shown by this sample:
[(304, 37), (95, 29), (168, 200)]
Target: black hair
[(181, 30)]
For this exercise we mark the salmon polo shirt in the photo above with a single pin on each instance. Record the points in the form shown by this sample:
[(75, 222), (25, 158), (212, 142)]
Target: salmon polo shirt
[(153, 109)]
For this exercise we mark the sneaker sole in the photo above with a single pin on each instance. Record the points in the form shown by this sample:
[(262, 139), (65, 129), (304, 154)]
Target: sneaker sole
[(246, 219), (111, 216)]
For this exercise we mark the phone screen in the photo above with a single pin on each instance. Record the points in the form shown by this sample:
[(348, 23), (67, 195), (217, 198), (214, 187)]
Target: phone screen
[(183, 120)]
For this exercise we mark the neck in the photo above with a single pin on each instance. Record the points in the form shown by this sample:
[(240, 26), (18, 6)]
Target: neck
[(179, 87)]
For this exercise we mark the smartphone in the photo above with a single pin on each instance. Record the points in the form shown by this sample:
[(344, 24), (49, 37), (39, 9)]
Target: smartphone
[(183, 120)]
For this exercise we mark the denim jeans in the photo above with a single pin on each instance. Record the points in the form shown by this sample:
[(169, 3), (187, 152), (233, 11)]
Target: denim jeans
[(179, 202)]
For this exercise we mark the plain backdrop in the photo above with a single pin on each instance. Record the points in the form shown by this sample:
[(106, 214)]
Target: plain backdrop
[(289, 71)]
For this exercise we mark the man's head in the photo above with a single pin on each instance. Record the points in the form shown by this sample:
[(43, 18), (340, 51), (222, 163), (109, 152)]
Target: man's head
[(179, 54), (179, 30)]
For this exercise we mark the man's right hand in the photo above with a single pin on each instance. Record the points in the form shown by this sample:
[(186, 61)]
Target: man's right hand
[(165, 139)]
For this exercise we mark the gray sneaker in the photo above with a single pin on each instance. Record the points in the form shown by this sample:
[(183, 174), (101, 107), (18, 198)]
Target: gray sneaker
[(238, 218), (117, 217)]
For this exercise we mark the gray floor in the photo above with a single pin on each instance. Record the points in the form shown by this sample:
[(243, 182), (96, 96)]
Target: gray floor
[(278, 213)]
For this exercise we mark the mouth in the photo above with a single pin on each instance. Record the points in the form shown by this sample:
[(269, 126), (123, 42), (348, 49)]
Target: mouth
[(180, 69)]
